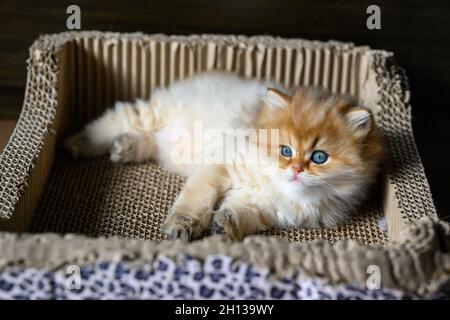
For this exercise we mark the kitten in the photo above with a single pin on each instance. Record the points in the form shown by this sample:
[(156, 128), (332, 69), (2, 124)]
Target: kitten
[(322, 154)]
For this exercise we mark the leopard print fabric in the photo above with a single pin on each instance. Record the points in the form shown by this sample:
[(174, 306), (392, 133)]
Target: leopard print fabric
[(218, 277)]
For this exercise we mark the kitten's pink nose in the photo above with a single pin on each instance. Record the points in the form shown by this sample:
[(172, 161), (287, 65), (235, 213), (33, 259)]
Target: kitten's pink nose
[(297, 168)]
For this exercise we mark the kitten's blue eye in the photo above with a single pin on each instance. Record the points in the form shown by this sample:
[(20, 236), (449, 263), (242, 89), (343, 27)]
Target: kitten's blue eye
[(285, 151), (319, 157)]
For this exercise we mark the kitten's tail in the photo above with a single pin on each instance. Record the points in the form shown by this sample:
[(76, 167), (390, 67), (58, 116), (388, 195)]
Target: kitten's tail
[(99, 136)]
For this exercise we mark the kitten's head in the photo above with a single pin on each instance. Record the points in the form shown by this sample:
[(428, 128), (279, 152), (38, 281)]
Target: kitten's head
[(329, 148)]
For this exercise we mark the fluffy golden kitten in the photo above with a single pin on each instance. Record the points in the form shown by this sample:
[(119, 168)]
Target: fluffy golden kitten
[(311, 166)]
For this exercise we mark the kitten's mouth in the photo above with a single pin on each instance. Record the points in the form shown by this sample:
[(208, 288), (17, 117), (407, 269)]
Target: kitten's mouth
[(295, 178)]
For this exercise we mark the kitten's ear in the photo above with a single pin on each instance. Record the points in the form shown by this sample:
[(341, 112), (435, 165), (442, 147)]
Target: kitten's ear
[(360, 120), (276, 99)]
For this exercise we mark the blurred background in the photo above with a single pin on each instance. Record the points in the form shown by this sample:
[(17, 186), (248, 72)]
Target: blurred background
[(418, 32)]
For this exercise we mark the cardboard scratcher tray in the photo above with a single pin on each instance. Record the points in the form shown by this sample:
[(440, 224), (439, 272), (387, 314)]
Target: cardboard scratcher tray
[(73, 77)]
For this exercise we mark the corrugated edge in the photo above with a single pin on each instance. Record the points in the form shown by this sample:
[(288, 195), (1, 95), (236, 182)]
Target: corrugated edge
[(26, 144), (407, 173)]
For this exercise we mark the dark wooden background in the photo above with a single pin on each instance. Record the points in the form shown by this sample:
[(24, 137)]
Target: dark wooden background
[(418, 32)]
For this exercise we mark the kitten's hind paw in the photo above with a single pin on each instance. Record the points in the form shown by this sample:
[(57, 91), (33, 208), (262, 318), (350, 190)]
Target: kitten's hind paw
[(183, 227), (78, 145), (124, 149)]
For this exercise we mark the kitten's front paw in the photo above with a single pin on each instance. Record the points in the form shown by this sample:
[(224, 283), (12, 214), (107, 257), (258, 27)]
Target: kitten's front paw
[(224, 223), (183, 227)]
